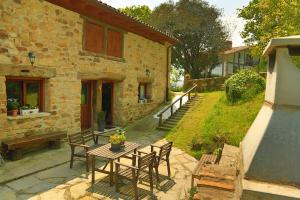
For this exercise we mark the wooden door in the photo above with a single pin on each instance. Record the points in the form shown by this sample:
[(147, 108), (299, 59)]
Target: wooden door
[(86, 105)]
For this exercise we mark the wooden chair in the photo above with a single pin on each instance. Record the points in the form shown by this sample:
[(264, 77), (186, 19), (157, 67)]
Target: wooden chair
[(134, 172), (163, 155), (81, 140)]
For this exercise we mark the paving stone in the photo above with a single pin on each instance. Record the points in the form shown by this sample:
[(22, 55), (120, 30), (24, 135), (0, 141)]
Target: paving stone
[(28, 197), (24, 183), (79, 190), (62, 171), (190, 166), (38, 188), (53, 194), (7, 193)]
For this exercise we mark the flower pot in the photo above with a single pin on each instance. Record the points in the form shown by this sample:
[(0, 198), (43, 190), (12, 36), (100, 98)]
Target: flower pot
[(29, 111), (101, 125), (115, 147), (14, 113)]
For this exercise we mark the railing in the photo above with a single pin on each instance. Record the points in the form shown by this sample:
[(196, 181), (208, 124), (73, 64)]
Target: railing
[(160, 114)]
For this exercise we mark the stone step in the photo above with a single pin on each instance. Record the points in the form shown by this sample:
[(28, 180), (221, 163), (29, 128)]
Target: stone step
[(163, 128), (168, 125), (175, 120)]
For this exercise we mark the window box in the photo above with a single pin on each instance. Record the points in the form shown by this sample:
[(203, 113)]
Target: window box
[(29, 111)]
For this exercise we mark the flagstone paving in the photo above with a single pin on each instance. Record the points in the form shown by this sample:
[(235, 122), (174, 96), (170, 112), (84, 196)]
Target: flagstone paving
[(61, 182)]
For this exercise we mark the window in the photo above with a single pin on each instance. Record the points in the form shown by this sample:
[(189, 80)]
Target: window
[(94, 38), (25, 91), (114, 43), (142, 91), (103, 40)]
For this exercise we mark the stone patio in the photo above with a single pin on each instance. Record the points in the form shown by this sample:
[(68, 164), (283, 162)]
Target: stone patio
[(46, 174)]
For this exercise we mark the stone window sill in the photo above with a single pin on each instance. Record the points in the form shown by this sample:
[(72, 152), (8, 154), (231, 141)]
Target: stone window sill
[(41, 114), (107, 57)]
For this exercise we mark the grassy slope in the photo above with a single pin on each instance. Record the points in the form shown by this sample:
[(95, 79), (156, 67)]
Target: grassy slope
[(214, 117)]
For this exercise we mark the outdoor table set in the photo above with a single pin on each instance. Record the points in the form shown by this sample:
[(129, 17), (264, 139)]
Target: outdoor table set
[(141, 162), (106, 152)]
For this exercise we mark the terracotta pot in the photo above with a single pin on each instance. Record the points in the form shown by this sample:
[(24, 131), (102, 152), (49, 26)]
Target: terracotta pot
[(14, 113)]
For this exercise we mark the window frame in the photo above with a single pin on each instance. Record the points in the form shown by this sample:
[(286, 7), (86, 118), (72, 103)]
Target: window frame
[(23, 82), (106, 27)]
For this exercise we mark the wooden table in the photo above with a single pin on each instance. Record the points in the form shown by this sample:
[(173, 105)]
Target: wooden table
[(105, 152)]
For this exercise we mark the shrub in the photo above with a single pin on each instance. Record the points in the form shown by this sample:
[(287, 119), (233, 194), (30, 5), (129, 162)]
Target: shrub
[(244, 85)]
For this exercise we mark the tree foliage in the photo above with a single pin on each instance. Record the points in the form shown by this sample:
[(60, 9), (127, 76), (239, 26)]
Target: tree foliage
[(199, 30), (266, 19), (141, 12)]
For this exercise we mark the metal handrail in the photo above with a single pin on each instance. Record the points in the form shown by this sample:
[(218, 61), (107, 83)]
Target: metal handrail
[(179, 99)]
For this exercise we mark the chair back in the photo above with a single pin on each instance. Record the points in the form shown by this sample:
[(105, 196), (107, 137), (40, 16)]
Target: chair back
[(165, 150), (88, 135), (146, 161), (75, 138)]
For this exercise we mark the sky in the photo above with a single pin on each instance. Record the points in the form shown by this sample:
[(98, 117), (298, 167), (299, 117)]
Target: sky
[(228, 7)]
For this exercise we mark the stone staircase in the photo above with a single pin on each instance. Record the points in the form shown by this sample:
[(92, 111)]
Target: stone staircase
[(173, 120)]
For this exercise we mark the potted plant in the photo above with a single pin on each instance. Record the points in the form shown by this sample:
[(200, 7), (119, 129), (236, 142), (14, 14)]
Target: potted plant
[(122, 136), (101, 120), (115, 141), (13, 107), (28, 110)]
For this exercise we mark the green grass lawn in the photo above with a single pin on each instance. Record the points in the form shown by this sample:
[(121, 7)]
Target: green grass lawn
[(213, 122)]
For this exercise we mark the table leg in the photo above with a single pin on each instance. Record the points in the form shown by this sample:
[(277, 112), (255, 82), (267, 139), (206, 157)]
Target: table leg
[(93, 169), (111, 173), (134, 157)]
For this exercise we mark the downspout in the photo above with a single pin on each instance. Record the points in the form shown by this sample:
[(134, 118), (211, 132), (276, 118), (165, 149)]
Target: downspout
[(167, 73)]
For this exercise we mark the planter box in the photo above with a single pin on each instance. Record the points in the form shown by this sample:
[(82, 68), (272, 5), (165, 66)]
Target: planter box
[(29, 112)]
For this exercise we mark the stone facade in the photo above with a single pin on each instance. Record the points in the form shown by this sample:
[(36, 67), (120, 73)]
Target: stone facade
[(55, 35)]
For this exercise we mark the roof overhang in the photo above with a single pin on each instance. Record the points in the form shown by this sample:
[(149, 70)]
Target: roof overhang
[(107, 14), (281, 42)]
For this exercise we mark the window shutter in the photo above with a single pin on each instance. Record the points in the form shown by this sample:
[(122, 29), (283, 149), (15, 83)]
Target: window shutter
[(94, 38), (114, 43)]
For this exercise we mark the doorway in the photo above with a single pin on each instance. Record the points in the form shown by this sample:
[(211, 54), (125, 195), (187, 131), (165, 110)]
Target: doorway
[(107, 101), (86, 105)]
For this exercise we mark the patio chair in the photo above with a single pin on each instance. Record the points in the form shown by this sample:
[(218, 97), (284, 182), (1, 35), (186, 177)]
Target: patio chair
[(135, 172), (163, 155), (82, 140)]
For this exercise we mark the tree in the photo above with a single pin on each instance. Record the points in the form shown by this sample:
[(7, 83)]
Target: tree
[(141, 12), (176, 75), (200, 33), (266, 19)]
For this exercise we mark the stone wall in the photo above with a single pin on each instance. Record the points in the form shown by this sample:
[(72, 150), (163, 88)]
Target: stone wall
[(206, 84), (55, 34)]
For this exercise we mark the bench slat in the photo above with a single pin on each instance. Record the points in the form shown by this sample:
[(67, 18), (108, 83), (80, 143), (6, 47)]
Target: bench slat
[(205, 158)]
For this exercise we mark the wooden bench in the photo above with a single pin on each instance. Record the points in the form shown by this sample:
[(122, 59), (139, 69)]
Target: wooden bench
[(14, 148), (205, 159)]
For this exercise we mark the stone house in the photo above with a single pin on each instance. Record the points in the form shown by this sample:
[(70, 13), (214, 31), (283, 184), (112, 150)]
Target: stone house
[(89, 57)]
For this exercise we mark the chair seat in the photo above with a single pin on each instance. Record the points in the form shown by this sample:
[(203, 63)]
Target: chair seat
[(126, 173)]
